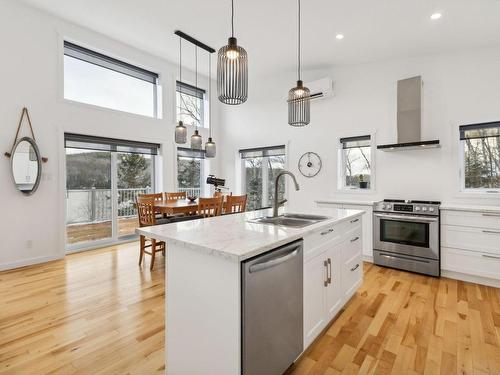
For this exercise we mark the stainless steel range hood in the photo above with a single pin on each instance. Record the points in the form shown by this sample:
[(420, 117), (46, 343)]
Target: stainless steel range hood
[(409, 118)]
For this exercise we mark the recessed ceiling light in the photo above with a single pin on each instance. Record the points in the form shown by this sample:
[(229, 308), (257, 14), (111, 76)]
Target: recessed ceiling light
[(339, 36), (436, 16)]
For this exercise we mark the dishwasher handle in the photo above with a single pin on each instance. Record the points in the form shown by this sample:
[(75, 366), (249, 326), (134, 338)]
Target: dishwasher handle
[(282, 258)]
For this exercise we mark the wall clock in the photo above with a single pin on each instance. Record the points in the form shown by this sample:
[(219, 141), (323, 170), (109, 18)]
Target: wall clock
[(310, 164)]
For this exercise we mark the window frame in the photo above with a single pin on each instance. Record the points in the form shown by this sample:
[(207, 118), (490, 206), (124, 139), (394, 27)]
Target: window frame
[(203, 124), (478, 192), (266, 204), (124, 67), (341, 182)]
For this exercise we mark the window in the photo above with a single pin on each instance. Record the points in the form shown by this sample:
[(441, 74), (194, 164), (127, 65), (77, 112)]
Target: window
[(356, 162), (93, 78), (190, 105), (103, 178), (480, 146), (190, 165), (260, 167)]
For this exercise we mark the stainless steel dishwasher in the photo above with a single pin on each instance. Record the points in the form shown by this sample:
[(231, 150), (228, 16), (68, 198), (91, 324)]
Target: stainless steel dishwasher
[(272, 310)]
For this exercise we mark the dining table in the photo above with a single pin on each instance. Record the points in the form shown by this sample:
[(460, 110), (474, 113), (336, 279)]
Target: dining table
[(175, 207)]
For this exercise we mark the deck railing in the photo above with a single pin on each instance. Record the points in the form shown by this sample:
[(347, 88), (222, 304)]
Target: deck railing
[(94, 205)]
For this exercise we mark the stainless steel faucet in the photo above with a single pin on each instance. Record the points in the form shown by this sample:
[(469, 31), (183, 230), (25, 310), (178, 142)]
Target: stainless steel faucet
[(278, 203)]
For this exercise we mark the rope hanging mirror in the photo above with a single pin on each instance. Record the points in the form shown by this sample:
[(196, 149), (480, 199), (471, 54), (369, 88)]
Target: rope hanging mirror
[(25, 158)]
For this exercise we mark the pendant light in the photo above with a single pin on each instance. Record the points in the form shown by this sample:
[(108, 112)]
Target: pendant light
[(210, 149), (299, 97), (180, 129), (196, 140), (232, 70)]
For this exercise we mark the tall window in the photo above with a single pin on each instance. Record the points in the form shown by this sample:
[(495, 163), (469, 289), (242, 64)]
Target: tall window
[(356, 162), (259, 169), (480, 144), (103, 179), (190, 165), (93, 78), (190, 105)]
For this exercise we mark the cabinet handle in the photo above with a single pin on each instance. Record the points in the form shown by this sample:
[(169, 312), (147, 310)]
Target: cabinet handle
[(325, 283), (494, 215), (491, 231), (355, 267), (327, 231), (490, 256), (355, 239), (329, 278), (354, 221)]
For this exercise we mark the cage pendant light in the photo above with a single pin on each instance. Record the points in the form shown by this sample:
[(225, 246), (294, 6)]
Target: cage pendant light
[(180, 129), (210, 149), (232, 70), (299, 97), (196, 141)]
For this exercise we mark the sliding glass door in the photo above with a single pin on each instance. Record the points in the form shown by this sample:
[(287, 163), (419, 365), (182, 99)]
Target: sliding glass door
[(103, 178)]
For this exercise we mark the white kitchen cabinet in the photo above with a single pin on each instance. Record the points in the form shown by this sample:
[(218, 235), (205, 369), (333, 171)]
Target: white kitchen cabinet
[(470, 245), (314, 298), (367, 223), (332, 276)]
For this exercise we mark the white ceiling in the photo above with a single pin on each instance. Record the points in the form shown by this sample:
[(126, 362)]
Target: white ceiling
[(374, 29)]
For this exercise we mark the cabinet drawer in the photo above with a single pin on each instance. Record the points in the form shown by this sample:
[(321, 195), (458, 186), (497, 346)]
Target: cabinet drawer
[(352, 275), (470, 262), (471, 219), (469, 238), (314, 241), (352, 245), (353, 225)]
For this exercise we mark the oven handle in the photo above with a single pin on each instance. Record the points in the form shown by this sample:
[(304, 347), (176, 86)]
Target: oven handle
[(409, 218)]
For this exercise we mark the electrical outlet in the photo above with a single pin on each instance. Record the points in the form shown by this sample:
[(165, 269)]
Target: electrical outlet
[(28, 244)]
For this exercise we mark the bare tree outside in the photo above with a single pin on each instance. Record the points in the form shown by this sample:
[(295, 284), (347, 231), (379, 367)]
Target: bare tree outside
[(482, 162), (189, 109), (357, 163)]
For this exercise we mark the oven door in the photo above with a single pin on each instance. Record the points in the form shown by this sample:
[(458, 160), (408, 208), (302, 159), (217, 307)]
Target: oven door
[(406, 234)]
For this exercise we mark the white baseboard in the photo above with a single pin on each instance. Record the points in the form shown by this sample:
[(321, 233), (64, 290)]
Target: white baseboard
[(29, 262), (471, 278), (368, 258)]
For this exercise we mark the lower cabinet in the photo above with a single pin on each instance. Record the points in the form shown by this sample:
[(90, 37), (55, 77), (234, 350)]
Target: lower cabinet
[(331, 277)]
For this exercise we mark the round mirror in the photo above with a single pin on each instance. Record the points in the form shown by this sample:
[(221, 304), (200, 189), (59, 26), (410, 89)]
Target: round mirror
[(26, 165)]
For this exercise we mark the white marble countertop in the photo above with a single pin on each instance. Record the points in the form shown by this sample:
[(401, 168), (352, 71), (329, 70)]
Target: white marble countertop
[(233, 237), (347, 201), (468, 207)]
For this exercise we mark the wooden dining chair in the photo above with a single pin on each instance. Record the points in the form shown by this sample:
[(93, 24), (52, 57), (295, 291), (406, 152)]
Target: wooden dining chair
[(235, 204), (147, 217), (158, 197), (176, 196), (208, 207)]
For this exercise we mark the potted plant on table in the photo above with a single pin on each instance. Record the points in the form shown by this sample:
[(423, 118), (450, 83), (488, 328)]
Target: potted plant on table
[(362, 183)]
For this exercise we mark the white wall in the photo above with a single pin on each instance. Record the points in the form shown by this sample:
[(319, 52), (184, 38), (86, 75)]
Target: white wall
[(458, 89), (32, 228)]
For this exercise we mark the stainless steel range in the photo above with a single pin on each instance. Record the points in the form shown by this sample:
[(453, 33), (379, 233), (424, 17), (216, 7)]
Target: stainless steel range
[(406, 235)]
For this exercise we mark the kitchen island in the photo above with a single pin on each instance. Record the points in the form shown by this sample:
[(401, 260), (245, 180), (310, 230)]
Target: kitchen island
[(204, 281)]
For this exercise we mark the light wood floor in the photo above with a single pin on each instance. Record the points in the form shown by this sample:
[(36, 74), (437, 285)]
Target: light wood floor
[(99, 313)]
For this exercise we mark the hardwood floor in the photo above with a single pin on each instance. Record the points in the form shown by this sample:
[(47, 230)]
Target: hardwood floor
[(92, 313), (403, 323), (99, 313)]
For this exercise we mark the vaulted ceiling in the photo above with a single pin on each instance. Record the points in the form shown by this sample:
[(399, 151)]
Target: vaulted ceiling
[(373, 29)]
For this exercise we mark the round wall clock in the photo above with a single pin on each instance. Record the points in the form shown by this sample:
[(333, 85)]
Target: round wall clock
[(309, 164)]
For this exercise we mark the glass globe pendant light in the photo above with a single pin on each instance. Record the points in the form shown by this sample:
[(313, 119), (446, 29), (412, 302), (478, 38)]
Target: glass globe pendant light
[(232, 70), (299, 97), (210, 149), (180, 129), (196, 141)]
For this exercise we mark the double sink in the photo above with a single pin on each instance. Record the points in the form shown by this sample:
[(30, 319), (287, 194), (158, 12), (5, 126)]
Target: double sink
[(290, 220)]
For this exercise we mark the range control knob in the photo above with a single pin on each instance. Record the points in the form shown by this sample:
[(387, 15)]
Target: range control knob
[(417, 208), (431, 209), (389, 206), (424, 208)]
